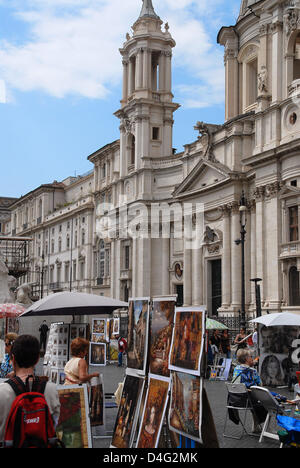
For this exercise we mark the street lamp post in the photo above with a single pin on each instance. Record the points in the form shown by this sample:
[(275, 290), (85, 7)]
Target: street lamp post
[(257, 296), (241, 241)]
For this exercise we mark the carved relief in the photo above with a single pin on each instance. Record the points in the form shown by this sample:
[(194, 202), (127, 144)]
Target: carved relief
[(291, 21)]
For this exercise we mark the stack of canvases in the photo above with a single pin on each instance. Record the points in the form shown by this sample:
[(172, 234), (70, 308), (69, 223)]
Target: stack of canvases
[(171, 362)]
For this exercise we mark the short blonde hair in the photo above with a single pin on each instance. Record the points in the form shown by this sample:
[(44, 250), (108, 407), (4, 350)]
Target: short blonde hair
[(242, 355)]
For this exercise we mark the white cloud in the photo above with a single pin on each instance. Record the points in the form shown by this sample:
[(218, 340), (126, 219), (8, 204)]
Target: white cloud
[(73, 46)]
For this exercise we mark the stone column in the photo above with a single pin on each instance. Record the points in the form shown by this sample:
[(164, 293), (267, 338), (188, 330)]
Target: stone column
[(260, 239), (236, 259), (131, 77), (162, 72), (277, 61), (226, 263), (165, 267), (231, 87), (146, 68), (125, 81), (168, 68), (197, 276), (139, 70), (187, 277), (134, 268), (144, 269), (253, 251)]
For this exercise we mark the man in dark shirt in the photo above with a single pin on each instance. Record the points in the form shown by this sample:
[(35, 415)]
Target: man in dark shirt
[(43, 335)]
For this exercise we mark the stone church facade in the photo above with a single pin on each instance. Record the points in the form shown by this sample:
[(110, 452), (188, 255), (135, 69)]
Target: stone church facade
[(245, 172)]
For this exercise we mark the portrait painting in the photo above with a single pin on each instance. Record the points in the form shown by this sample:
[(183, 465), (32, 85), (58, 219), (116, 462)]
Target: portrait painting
[(73, 427), (275, 344), (185, 413), (116, 326), (272, 370), (138, 324), (162, 318), (97, 354), (126, 421), (187, 340), (154, 412), (97, 403), (99, 326)]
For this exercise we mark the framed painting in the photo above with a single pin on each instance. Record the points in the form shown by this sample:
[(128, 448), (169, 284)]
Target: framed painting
[(138, 332), (187, 340), (74, 424), (113, 350), (99, 326), (116, 326), (97, 403), (98, 354), (185, 414), (162, 318), (154, 412), (126, 421)]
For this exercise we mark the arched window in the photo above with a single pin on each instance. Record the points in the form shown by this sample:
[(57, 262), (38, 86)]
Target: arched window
[(248, 59), (294, 281)]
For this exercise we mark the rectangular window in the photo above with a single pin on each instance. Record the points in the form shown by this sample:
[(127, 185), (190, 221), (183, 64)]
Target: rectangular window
[(127, 257), (155, 133), (294, 223)]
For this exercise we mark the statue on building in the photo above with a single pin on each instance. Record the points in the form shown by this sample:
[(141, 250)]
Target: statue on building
[(263, 80), (206, 133), (23, 295), (4, 288)]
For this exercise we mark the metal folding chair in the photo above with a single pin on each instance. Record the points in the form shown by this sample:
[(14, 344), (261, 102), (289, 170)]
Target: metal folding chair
[(271, 405), (238, 401)]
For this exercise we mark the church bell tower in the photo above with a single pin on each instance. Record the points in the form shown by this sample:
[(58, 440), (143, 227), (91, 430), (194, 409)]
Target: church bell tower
[(147, 107)]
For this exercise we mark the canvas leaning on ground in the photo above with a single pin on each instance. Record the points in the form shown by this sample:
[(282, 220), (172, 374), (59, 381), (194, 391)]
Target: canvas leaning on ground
[(74, 424), (126, 421), (185, 415), (154, 412)]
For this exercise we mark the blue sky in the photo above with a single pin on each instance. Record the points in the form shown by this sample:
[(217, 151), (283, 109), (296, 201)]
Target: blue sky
[(61, 72)]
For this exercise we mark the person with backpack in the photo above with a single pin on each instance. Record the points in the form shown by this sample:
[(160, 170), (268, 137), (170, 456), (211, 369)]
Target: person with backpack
[(29, 405)]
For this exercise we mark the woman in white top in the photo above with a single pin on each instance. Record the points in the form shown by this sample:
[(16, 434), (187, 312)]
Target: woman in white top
[(76, 369)]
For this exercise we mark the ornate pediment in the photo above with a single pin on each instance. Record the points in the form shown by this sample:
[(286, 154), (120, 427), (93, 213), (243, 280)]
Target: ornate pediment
[(206, 174), (289, 191)]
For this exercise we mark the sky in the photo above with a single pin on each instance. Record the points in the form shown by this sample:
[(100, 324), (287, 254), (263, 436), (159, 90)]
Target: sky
[(61, 80)]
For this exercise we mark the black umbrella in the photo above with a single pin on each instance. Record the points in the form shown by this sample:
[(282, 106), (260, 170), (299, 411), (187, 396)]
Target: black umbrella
[(73, 303)]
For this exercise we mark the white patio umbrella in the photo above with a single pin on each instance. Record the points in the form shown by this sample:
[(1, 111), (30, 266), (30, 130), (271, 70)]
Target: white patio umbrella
[(278, 319), (73, 303)]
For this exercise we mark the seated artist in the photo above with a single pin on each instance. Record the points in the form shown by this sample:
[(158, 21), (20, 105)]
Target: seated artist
[(245, 373)]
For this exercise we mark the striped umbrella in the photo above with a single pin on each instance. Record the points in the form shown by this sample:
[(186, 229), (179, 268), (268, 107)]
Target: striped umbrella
[(11, 310), (214, 325)]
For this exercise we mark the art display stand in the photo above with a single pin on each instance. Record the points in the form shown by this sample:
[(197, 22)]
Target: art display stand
[(58, 349), (165, 351)]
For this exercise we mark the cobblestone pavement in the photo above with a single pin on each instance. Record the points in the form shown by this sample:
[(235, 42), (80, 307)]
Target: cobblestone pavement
[(216, 391)]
